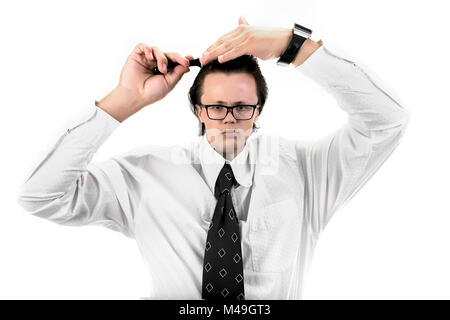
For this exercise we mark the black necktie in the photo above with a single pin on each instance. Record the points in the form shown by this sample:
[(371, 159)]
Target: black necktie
[(223, 274)]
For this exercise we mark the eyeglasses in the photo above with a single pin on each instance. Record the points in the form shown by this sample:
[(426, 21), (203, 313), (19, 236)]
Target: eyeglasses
[(218, 112)]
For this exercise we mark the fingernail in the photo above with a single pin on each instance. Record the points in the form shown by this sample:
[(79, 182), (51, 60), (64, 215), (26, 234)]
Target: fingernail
[(164, 67)]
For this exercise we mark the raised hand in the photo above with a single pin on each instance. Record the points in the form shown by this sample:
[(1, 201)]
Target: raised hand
[(137, 75), (262, 42)]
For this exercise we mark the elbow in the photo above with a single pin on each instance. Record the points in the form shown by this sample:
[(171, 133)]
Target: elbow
[(400, 119), (33, 201), (24, 199), (407, 115), (405, 119)]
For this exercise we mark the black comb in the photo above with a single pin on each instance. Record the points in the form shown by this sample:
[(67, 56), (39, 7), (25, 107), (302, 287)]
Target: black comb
[(171, 65)]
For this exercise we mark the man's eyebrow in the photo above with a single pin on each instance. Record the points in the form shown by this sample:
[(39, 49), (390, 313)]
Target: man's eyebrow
[(223, 102)]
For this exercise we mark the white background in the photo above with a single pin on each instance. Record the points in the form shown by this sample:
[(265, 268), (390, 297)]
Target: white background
[(392, 239)]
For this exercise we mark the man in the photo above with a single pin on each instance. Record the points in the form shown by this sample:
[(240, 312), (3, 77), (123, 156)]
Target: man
[(233, 215)]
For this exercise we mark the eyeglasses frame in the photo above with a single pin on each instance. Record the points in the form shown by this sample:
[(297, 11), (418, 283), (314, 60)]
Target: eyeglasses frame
[(255, 106)]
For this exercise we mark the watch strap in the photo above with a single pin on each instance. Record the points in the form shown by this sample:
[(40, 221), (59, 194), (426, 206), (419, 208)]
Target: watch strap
[(299, 35)]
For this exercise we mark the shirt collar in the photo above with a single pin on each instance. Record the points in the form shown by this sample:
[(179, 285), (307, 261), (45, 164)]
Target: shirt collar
[(212, 162)]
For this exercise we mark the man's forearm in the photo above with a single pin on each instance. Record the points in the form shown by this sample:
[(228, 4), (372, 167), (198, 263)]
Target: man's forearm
[(120, 103)]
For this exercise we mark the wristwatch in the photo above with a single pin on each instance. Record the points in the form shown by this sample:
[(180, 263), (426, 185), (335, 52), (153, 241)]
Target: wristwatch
[(299, 35)]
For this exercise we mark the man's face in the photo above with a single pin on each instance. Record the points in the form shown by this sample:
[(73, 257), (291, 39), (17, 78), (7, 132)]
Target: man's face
[(228, 90)]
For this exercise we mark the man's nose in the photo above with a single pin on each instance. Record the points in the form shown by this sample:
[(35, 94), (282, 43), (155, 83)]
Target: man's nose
[(229, 117)]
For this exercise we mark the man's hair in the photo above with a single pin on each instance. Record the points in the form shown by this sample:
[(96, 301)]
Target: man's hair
[(244, 63)]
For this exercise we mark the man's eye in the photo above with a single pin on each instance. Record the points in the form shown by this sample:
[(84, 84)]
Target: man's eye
[(217, 107)]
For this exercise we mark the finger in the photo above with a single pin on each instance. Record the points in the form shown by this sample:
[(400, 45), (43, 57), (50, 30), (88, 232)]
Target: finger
[(204, 59), (222, 39), (189, 57), (242, 20), (140, 48), (221, 43), (226, 47), (141, 53), (160, 59), (149, 54), (183, 66), (144, 50), (232, 54), (227, 37), (176, 57), (147, 51), (175, 75), (237, 35)]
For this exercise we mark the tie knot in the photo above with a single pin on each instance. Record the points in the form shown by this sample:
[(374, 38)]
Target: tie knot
[(225, 180)]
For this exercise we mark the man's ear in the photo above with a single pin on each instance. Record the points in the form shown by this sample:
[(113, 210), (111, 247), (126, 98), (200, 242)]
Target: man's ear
[(256, 114), (199, 112)]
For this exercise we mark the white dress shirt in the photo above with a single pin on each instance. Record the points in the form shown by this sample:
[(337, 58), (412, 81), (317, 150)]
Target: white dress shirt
[(163, 196)]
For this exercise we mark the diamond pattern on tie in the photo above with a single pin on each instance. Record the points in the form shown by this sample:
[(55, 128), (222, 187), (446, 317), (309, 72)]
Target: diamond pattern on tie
[(231, 214), (222, 252), (224, 292), (223, 274)]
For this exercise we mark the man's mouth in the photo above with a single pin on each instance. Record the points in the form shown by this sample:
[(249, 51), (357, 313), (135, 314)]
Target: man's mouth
[(230, 132)]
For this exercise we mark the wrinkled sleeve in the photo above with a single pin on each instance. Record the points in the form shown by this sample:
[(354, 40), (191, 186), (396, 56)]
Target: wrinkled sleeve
[(338, 165), (65, 187)]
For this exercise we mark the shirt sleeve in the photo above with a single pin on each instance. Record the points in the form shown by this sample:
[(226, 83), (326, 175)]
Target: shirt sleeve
[(337, 166), (66, 188)]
